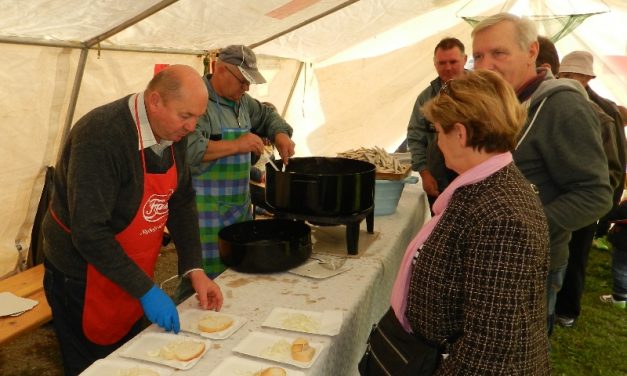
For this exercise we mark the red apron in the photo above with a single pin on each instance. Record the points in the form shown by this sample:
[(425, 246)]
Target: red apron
[(110, 312)]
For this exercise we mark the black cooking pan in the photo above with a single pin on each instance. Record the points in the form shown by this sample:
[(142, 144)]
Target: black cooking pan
[(265, 246), (258, 195), (321, 186)]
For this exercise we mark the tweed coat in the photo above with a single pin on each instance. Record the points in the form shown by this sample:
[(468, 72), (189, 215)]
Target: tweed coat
[(483, 270)]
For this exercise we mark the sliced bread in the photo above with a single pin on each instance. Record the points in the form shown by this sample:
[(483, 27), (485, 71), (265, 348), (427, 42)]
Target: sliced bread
[(187, 350), (214, 323)]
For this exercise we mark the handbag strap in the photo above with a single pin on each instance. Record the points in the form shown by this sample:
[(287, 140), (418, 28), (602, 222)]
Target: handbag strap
[(443, 345), (446, 343)]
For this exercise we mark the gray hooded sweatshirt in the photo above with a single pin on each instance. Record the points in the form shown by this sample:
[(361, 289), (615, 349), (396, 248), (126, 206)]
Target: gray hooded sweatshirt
[(560, 151)]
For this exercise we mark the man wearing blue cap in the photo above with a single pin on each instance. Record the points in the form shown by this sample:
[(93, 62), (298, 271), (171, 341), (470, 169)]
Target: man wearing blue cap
[(219, 150)]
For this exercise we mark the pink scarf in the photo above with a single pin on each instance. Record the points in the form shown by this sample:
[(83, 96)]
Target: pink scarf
[(401, 284)]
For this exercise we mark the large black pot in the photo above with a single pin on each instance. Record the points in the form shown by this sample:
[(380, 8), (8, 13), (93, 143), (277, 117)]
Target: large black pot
[(265, 246), (258, 195), (320, 186)]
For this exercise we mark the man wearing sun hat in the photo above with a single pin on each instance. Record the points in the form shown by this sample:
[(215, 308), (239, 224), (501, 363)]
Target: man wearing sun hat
[(219, 149), (578, 65)]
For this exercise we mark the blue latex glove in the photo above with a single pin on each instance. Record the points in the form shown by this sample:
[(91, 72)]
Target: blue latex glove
[(160, 309)]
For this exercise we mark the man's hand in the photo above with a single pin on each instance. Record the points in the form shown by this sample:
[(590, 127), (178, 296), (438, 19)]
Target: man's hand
[(285, 146), (249, 142), (429, 184), (159, 308), (207, 292)]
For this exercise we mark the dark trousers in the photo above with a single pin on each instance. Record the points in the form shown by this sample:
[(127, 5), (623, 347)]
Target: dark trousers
[(66, 297), (569, 297)]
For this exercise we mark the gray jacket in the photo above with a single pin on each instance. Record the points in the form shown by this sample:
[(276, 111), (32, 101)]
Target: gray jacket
[(562, 155), (421, 139), (223, 113)]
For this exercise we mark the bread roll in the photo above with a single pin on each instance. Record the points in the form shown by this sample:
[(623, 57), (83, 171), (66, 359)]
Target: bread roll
[(214, 323), (272, 371), (301, 351), (304, 356), (299, 344), (187, 350)]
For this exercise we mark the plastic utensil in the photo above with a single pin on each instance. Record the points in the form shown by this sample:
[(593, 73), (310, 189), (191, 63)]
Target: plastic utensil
[(329, 262)]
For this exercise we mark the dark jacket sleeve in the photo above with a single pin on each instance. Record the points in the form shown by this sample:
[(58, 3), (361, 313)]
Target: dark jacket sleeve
[(616, 169), (573, 154), (103, 190), (418, 133)]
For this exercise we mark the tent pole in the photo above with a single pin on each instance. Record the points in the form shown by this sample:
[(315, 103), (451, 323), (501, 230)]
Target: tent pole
[(291, 94), (76, 88), (39, 42), (95, 40), (130, 22), (156, 50), (83, 59), (78, 45), (306, 22)]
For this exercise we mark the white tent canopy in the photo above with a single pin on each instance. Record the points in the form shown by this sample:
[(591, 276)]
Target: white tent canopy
[(345, 73)]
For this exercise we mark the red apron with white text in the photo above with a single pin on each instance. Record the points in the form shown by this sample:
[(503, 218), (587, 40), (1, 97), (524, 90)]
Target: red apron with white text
[(110, 312)]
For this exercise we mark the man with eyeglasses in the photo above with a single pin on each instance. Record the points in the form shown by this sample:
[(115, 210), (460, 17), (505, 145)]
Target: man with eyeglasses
[(426, 158), (559, 149), (219, 150)]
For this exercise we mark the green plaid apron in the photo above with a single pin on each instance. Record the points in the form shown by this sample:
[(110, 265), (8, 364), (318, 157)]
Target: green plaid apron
[(222, 198)]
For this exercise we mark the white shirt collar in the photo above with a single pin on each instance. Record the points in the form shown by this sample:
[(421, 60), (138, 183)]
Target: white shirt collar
[(148, 136)]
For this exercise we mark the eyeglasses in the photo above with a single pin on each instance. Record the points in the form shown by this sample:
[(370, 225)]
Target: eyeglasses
[(242, 82)]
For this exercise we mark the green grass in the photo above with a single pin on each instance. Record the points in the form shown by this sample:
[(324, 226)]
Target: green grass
[(597, 344)]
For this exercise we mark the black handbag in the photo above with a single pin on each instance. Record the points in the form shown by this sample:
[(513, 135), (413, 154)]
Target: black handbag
[(391, 351)]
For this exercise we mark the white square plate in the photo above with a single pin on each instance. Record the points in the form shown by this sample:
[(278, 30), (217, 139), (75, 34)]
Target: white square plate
[(190, 317), (261, 345), (114, 367), (327, 322), (236, 366), (146, 344)]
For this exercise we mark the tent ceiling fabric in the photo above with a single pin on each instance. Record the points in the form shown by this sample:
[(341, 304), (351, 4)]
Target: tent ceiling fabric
[(206, 25), (194, 25), (65, 20), (555, 18)]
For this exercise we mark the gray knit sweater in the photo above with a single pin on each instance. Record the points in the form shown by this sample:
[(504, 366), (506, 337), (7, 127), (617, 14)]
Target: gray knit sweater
[(98, 185)]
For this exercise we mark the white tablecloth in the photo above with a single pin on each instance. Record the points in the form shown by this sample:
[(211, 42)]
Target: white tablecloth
[(362, 293)]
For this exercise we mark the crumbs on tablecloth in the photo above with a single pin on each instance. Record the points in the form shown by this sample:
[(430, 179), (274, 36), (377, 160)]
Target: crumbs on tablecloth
[(311, 301), (239, 282), (290, 280)]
